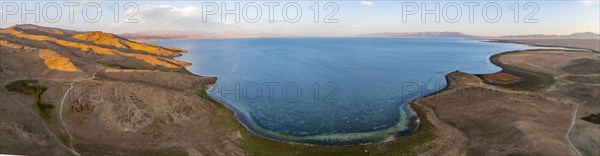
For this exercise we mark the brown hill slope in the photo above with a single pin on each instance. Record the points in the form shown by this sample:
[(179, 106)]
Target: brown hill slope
[(92, 93), (142, 56), (475, 117), (101, 38)]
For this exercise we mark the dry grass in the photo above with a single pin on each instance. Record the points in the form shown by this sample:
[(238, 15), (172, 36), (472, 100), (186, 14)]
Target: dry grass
[(54, 61), (502, 78)]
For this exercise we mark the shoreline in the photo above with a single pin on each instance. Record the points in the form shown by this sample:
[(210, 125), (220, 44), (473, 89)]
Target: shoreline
[(421, 134), (532, 80), (254, 143), (416, 122), (535, 80), (412, 126), (408, 108), (567, 48), (424, 126), (171, 111)]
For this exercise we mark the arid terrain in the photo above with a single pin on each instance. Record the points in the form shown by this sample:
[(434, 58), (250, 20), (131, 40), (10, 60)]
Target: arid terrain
[(92, 93), (579, 43), (517, 111), (81, 93)]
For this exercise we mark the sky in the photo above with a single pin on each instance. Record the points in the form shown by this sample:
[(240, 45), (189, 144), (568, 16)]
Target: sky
[(300, 18)]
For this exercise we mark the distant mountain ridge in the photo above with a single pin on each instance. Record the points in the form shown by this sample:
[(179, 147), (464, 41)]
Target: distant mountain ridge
[(443, 34), (165, 35), (418, 34), (574, 35)]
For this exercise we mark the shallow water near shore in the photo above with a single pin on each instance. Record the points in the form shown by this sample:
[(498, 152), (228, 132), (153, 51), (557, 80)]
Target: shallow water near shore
[(332, 91)]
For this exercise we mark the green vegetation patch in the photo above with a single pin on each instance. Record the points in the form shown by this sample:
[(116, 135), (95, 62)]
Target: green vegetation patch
[(31, 88), (202, 93), (225, 122), (593, 118)]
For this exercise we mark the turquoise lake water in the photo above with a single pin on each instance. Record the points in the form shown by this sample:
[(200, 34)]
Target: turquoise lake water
[(332, 91)]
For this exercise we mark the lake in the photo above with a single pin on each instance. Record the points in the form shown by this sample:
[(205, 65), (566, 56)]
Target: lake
[(332, 91)]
